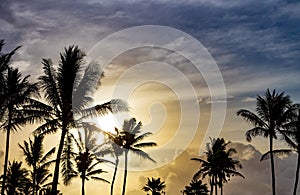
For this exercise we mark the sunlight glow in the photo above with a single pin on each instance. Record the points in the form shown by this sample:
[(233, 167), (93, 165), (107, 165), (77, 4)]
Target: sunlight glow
[(107, 123)]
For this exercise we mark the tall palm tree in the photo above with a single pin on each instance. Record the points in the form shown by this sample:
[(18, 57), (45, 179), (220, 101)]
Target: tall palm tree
[(18, 108), (291, 135), (131, 138), (271, 114), (86, 159), (69, 92), (17, 179), (35, 158), (196, 187), (15, 93), (218, 166), (155, 186)]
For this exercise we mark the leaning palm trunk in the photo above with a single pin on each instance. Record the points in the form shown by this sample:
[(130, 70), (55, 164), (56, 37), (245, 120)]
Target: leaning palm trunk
[(125, 173), (114, 176), (57, 162), (211, 185), (297, 175), (272, 164), (216, 186), (6, 156)]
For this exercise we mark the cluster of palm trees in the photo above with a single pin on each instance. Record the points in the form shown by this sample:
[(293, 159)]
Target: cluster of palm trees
[(218, 166), (67, 90), (65, 106), (275, 117)]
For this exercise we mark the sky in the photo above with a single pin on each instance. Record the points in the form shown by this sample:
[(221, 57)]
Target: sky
[(184, 67)]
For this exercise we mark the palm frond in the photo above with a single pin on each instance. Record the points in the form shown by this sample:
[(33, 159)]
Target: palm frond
[(256, 131), (144, 145), (142, 154), (251, 118), (281, 152)]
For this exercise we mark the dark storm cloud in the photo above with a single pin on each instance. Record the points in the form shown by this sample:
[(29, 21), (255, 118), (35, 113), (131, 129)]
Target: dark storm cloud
[(244, 37)]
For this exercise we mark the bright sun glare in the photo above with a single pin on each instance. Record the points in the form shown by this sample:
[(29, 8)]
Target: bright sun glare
[(107, 123)]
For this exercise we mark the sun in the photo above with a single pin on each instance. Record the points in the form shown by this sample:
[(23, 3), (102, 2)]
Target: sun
[(107, 123)]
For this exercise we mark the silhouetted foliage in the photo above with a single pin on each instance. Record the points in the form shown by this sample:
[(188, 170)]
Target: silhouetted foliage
[(68, 91), (219, 166), (39, 162), (18, 108), (271, 114), (196, 187), (155, 186), (17, 181)]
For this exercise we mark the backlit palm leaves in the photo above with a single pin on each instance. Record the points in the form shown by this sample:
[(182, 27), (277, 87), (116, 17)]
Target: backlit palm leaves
[(69, 91), (155, 186), (39, 162), (126, 140), (18, 108), (16, 182), (196, 187), (271, 114), (218, 166)]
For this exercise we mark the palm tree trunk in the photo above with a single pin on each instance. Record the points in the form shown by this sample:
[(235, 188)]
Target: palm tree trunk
[(272, 164), (82, 183), (34, 181), (216, 186), (297, 175), (211, 185), (57, 162), (221, 189), (125, 172), (114, 176), (6, 152)]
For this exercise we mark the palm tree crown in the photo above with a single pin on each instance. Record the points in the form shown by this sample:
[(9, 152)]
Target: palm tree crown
[(69, 91), (155, 186), (35, 158), (196, 187), (218, 166)]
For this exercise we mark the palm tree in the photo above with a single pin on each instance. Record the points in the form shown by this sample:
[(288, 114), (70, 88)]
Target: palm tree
[(271, 114), (86, 159), (16, 181), (18, 108), (218, 166), (196, 187), (35, 158), (291, 135), (130, 138), (5, 61), (155, 186), (15, 101), (68, 92)]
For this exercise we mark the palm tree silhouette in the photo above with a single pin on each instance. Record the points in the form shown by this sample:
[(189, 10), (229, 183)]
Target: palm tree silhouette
[(291, 135), (86, 159), (129, 139), (15, 102), (196, 187), (35, 158), (155, 186), (69, 94), (16, 181), (271, 115), (18, 108), (218, 166)]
